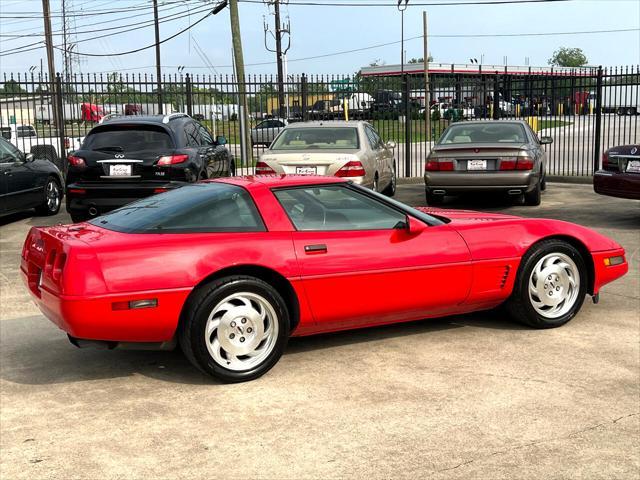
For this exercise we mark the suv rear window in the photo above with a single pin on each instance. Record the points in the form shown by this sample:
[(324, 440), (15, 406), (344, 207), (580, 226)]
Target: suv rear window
[(205, 207), (128, 138)]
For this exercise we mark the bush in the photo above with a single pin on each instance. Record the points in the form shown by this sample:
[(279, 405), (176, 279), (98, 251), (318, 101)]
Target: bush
[(435, 116)]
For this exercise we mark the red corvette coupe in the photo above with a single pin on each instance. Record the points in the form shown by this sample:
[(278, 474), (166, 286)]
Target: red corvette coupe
[(231, 268)]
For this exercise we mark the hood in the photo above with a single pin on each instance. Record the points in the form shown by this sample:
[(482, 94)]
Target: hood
[(460, 217)]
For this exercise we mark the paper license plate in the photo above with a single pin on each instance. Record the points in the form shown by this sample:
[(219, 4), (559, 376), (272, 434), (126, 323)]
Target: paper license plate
[(476, 165), (119, 170), (306, 170), (633, 166)]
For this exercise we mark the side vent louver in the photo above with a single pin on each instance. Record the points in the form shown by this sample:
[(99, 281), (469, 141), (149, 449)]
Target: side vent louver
[(505, 276)]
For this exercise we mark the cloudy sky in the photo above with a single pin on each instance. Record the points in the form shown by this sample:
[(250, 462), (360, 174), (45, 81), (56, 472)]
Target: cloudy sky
[(323, 29)]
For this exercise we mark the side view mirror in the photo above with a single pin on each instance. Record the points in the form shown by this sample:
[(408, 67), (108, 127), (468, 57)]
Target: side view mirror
[(391, 144), (414, 226), (221, 140), (546, 140), (29, 157)]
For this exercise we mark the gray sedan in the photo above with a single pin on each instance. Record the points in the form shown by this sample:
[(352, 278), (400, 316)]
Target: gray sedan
[(485, 155)]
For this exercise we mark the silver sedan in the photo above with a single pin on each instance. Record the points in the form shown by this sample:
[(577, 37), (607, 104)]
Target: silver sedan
[(337, 148)]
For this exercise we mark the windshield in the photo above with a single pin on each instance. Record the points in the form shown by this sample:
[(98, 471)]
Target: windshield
[(126, 138), (323, 138), (203, 207), (25, 131), (492, 132), (6, 132)]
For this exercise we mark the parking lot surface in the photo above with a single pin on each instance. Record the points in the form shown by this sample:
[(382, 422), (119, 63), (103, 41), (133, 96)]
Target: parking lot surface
[(471, 396)]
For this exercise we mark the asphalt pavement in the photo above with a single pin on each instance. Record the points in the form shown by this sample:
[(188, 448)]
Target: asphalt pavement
[(472, 396)]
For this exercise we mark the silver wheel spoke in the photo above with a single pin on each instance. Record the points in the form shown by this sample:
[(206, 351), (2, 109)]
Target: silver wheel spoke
[(554, 285), (235, 331)]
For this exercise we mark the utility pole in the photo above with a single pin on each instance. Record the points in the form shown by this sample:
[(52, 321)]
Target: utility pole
[(280, 53), (46, 14), (158, 69), (239, 70), (427, 86)]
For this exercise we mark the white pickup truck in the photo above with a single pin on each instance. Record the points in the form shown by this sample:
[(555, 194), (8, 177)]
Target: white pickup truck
[(27, 140)]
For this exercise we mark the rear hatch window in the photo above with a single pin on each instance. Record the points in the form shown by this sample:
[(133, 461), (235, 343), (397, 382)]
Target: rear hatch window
[(128, 138)]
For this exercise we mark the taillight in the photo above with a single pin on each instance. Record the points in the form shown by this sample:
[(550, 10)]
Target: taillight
[(516, 163), (58, 267), (172, 159), (524, 163), (264, 169), (77, 191), (605, 160), (353, 168), (76, 161), (439, 166), (67, 143), (160, 190)]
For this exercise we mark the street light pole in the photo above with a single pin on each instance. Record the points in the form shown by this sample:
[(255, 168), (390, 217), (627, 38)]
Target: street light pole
[(402, 7)]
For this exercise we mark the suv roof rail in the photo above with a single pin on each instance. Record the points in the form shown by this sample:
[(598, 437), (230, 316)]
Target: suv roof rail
[(110, 116), (171, 116)]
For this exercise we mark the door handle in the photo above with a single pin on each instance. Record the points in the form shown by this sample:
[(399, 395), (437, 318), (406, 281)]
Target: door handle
[(319, 248)]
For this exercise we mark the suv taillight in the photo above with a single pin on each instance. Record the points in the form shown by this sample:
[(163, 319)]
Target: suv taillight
[(76, 161), (353, 168), (172, 159), (263, 169)]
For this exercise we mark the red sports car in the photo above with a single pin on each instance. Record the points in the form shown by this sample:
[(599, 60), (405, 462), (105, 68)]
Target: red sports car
[(231, 268)]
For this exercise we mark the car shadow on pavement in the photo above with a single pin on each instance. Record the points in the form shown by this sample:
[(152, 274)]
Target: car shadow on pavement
[(36, 353)]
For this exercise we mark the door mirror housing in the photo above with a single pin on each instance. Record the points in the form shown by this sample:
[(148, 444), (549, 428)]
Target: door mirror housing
[(546, 140), (29, 157), (415, 226), (391, 144), (221, 140)]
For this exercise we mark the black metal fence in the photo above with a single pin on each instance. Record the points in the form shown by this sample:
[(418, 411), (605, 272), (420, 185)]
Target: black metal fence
[(585, 111)]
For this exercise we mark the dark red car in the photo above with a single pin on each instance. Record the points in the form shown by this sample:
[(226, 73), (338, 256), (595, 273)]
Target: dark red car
[(231, 268), (620, 174)]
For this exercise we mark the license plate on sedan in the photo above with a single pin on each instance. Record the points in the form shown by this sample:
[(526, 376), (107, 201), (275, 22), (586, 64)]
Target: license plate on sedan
[(633, 166), (306, 170), (119, 170), (476, 164)]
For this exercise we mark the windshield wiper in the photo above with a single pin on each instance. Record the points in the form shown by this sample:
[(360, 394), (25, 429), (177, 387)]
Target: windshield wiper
[(109, 149)]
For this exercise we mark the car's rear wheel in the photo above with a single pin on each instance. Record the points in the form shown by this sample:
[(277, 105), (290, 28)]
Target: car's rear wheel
[(235, 328), (52, 198), (534, 197), (550, 286), (390, 190), (433, 199)]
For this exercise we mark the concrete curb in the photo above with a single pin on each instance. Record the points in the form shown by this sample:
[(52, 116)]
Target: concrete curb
[(550, 178)]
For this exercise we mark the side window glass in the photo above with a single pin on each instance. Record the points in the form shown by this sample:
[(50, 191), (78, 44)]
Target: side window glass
[(192, 136), (334, 208), (7, 153), (206, 137), (370, 138)]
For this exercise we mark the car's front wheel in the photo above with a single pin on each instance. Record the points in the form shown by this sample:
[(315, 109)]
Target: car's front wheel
[(550, 286), (52, 198), (235, 328)]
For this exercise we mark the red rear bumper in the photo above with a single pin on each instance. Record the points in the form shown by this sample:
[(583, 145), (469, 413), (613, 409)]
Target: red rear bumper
[(93, 318)]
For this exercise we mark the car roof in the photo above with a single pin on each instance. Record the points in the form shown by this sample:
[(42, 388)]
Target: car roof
[(276, 181), (489, 122), (147, 119), (325, 123)]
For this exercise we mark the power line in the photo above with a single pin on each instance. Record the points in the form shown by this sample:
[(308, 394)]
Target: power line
[(422, 4)]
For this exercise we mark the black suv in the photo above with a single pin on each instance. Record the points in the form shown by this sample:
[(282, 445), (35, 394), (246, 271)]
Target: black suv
[(129, 157)]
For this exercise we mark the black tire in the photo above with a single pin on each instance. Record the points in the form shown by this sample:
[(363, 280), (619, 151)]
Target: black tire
[(433, 199), (52, 198), (519, 305), (534, 197), (79, 217), (543, 183), (390, 190), (232, 167), (191, 333)]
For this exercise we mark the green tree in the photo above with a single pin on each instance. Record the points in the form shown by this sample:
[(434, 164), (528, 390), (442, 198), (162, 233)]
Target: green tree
[(421, 59), (568, 57), (11, 86)]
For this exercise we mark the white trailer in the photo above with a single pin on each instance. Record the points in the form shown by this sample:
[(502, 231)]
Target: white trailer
[(620, 99)]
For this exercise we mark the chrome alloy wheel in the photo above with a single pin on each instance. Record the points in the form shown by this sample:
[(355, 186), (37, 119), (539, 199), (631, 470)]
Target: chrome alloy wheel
[(241, 331), (52, 196), (554, 285)]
